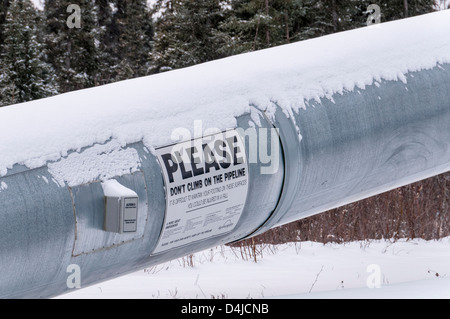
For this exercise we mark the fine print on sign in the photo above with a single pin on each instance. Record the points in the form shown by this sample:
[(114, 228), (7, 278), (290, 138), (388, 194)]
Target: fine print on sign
[(206, 183)]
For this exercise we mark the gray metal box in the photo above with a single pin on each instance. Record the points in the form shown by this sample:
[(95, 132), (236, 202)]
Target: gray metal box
[(121, 208)]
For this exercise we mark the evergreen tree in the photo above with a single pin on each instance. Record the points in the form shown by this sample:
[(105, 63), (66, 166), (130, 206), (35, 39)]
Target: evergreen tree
[(74, 52), (249, 25), (188, 33), (107, 41), (24, 76), (398, 9), (4, 4), (258, 24), (132, 39), (353, 13)]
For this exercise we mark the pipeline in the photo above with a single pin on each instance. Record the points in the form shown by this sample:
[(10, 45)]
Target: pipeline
[(272, 167)]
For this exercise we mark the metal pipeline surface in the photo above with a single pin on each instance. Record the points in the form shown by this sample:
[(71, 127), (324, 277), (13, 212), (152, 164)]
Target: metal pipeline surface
[(224, 187)]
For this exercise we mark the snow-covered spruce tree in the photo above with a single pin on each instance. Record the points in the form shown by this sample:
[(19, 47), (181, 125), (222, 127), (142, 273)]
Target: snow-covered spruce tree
[(107, 41), (4, 4), (249, 25), (258, 24), (73, 52), (24, 74), (398, 9), (188, 33), (354, 14), (132, 39)]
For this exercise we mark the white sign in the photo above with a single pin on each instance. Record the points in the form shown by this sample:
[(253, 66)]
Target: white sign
[(206, 182)]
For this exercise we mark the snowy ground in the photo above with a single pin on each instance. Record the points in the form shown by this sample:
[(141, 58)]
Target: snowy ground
[(404, 269)]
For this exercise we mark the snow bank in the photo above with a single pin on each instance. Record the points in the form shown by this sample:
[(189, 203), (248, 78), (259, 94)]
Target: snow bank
[(404, 269), (148, 109)]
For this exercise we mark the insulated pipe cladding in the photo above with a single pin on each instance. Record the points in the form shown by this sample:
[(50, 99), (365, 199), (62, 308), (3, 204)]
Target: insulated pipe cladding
[(268, 170), (251, 180)]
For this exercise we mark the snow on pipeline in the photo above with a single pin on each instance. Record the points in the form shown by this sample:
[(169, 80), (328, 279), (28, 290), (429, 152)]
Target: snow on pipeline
[(102, 121)]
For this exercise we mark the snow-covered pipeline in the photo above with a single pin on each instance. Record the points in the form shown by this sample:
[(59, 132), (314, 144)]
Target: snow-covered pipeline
[(357, 113)]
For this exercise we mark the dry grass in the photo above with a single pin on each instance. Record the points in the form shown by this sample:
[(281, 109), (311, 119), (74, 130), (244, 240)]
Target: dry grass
[(420, 210)]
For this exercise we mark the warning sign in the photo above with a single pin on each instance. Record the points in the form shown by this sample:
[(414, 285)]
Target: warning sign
[(206, 183)]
